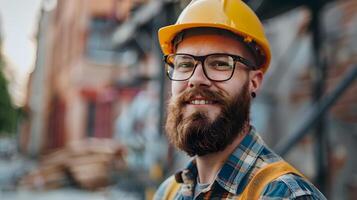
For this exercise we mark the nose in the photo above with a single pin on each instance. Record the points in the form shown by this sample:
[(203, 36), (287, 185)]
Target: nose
[(198, 78)]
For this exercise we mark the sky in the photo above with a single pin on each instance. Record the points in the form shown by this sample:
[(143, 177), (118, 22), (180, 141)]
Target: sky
[(18, 26)]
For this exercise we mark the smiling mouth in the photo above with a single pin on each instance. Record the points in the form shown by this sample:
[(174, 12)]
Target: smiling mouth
[(200, 102)]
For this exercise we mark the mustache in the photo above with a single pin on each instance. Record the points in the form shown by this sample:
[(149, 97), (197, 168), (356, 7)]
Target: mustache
[(189, 94)]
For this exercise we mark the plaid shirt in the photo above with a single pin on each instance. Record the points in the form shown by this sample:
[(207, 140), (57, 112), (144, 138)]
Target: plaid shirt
[(249, 156)]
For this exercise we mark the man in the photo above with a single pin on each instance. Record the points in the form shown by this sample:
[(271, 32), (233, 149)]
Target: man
[(216, 56)]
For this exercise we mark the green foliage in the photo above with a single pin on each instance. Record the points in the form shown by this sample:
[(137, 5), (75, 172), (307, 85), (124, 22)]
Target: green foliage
[(8, 114)]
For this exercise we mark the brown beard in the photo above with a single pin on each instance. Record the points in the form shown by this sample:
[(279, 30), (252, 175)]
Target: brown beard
[(197, 134)]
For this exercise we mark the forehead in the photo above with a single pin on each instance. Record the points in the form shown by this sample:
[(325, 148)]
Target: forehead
[(207, 43)]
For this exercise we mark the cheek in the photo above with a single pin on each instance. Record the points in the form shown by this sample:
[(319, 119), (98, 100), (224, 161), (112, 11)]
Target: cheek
[(233, 91), (229, 89), (177, 87), (235, 85)]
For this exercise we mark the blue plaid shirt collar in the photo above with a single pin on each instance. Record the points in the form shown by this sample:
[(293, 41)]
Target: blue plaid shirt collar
[(234, 174)]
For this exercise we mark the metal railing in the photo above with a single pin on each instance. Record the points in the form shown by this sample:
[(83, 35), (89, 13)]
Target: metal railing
[(317, 111)]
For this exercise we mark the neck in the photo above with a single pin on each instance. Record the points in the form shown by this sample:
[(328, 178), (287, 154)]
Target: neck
[(209, 165)]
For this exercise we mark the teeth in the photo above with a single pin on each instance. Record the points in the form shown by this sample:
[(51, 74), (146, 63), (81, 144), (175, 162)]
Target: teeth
[(200, 102)]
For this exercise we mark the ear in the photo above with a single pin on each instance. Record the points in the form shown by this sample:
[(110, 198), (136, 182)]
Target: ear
[(255, 80)]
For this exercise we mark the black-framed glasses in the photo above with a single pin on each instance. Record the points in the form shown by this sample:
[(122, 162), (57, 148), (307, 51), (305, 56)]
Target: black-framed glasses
[(217, 67)]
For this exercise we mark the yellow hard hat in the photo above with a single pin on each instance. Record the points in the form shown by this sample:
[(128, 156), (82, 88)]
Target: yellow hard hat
[(232, 15)]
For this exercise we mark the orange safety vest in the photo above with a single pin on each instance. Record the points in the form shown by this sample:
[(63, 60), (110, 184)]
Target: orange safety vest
[(254, 188)]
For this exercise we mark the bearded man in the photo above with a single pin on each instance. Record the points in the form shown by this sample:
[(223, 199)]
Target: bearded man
[(216, 56)]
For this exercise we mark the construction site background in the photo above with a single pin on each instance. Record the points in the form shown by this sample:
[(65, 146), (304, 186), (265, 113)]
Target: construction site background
[(91, 123)]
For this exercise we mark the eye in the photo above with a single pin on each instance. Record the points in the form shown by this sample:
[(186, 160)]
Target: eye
[(220, 65), (184, 66), (220, 62)]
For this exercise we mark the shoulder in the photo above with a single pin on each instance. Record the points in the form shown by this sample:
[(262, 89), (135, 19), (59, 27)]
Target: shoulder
[(160, 192), (290, 186)]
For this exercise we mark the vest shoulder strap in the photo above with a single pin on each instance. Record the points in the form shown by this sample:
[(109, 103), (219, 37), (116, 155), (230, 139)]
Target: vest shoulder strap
[(171, 189), (264, 176)]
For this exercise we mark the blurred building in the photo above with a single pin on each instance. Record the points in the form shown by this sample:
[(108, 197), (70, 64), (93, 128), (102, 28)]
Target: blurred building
[(91, 59), (73, 90)]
